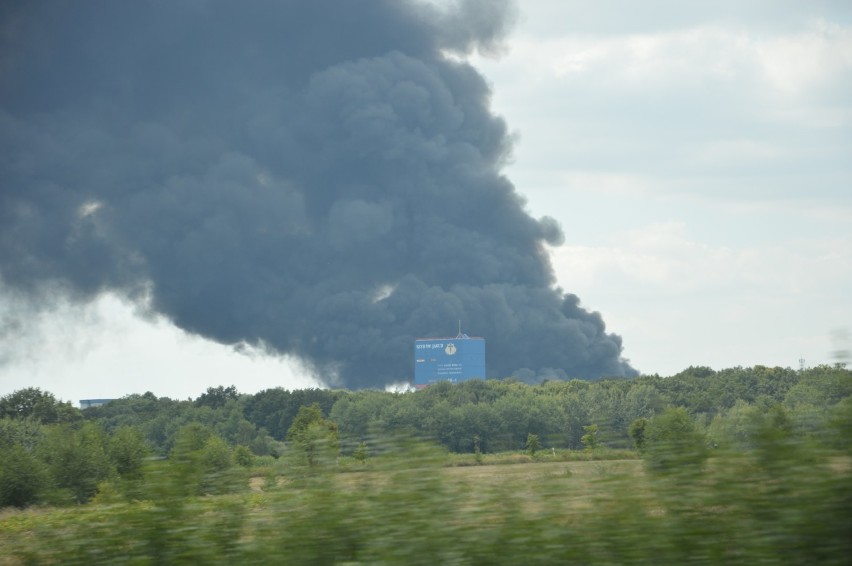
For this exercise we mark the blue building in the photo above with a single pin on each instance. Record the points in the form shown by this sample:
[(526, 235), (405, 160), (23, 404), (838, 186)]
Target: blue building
[(448, 359)]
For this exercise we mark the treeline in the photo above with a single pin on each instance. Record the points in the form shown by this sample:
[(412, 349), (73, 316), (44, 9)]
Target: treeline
[(499, 415), (495, 415), (53, 452), (50, 454)]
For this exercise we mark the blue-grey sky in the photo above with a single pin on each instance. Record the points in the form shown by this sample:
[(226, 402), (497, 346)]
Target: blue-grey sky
[(697, 156)]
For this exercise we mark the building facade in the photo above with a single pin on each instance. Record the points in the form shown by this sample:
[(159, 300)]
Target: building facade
[(448, 359)]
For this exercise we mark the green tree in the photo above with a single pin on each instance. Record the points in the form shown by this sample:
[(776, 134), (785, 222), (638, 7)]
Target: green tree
[(275, 409), (77, 459), (217, 461), (518, 412), (217, 397), (32, 402), (216, 455), (477, 450), (204, 463), (26, 432), (362, 412), (243, 456), (637, 433), (673, 444), (642, 401), (590, 439), (533, 444), (607, 408), (772, 439), (127, 450), (313, 435), (190, 439), (822, 386), (840, 426), (22, 477), (361, 452), (730, 429)]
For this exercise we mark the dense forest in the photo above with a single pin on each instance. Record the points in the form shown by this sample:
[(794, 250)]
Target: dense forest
[(64, 453)]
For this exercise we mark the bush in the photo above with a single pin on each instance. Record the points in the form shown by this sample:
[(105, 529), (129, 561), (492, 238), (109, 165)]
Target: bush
[(22, 477), (216, 455), (533, 444), (243, 456), (127, 450), (673, 445), (76, 459)]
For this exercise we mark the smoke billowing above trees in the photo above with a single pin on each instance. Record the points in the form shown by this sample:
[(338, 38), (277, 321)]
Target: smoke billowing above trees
[(320, 177)]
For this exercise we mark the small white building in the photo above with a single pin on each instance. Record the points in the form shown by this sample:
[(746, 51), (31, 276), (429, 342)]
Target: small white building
[(88, 403)]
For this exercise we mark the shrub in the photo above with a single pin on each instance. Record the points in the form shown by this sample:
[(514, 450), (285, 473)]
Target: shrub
[(673, 445), (76, 459), (22, 477), (243, 456)]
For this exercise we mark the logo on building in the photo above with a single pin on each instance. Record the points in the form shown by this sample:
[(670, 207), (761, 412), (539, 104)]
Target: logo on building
[(450, 349)]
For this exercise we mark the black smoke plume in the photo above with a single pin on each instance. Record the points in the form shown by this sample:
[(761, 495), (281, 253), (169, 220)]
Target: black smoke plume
[(322, 177)]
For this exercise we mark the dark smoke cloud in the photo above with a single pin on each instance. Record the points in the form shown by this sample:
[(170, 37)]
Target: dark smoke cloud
[(319, 177)]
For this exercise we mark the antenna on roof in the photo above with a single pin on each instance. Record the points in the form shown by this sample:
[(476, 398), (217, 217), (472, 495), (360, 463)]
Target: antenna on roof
[(460, 335)]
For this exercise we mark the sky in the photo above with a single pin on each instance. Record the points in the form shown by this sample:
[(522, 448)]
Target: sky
[(699, 163), (697, 160)]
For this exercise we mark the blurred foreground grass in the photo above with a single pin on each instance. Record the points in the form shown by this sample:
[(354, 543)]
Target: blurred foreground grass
[(416, 507)]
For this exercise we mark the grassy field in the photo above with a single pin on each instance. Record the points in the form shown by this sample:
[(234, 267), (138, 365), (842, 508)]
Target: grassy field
[(418, 510)]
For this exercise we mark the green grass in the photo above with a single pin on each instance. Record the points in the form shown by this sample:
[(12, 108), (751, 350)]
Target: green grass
[(422, 506), (502, 458)]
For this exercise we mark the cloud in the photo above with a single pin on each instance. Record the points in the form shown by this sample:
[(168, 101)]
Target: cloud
[(664, 258), (685, 301), (809, 62), (108, 349), (725, 110), (261, 171)]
